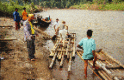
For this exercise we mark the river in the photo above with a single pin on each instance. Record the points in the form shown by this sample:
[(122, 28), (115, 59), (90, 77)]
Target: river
[(108, 33)]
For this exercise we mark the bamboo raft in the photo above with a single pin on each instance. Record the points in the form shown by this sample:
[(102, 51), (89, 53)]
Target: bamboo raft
[(110, 69), (67, 51)]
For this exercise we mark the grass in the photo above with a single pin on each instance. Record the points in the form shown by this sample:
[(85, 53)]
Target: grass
[(7, 9), (107, 6)]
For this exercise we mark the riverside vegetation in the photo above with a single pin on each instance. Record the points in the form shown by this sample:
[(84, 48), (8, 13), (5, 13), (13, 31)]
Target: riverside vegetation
[(7, 7)]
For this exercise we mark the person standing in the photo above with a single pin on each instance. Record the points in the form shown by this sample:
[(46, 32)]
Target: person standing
[(24, 14), (30, 37), (16, 19), (24, 18), (89, 46), (56, 24)]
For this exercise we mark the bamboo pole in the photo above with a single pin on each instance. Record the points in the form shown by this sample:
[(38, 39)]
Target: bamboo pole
[(88, 66), (8, 39), (67, 49), (60, 55), (54, 50), (64, 50), (51, 55), (105, 69), (6, 26), (69, 65), (107, 76), (102, 75), (113, 59), (62, 59), (74, 48), (51, 65), (40, 31)]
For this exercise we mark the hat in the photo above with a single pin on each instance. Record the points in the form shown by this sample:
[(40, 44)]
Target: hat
[(63, 21), (30, 15)]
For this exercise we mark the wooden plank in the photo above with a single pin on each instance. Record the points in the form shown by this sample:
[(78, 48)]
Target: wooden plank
[(51, 65)]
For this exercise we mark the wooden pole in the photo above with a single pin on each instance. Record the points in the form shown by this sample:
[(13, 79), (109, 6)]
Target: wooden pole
[(62, 59), (64, 50), (54, 50), (40, 31), (73, 56), (102, 75), (53, 60), (88, 66), (8, 39), (6, 26), (69, 65), (60, 55), (51, 55), (102, 65), (113, 59)]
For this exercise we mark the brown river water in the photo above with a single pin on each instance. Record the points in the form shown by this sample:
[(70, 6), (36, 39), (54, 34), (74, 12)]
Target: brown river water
[(108, 32)]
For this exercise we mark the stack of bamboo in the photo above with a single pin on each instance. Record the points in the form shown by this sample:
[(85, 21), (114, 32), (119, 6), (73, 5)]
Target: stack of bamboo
[(67, 51), (110, 68)]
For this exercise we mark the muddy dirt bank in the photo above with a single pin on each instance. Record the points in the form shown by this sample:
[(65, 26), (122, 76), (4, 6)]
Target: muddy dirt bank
[(15, 65)]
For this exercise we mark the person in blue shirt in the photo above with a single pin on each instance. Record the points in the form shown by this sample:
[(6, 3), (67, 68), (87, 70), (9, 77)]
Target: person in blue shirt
[(16, 19), (88, 45)]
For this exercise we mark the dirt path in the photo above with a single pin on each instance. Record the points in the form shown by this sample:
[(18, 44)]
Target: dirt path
[(15, 65)]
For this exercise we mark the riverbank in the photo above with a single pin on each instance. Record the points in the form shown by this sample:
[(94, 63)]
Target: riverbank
[(15, 65), (101, 7)]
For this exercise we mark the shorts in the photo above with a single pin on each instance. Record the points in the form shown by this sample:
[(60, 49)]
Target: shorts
[(90, 58)]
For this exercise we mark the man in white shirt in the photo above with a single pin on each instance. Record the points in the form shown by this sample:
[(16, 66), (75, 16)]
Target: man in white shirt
[(56, 24), (63, 35)]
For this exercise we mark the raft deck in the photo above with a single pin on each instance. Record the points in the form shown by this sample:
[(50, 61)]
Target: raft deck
[(110, 68), (67, 51)]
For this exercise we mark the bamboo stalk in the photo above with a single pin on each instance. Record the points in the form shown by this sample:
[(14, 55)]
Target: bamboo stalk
[(52, 54), (105, 69), (40, 31), (6, 26), (62, 59), (88, 66), (74, 48), (62, 50), (102, 75), (108, 77), (113, 59), (60, 55), (69, 65), (8, 39), (68, 55), (51, 65)]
